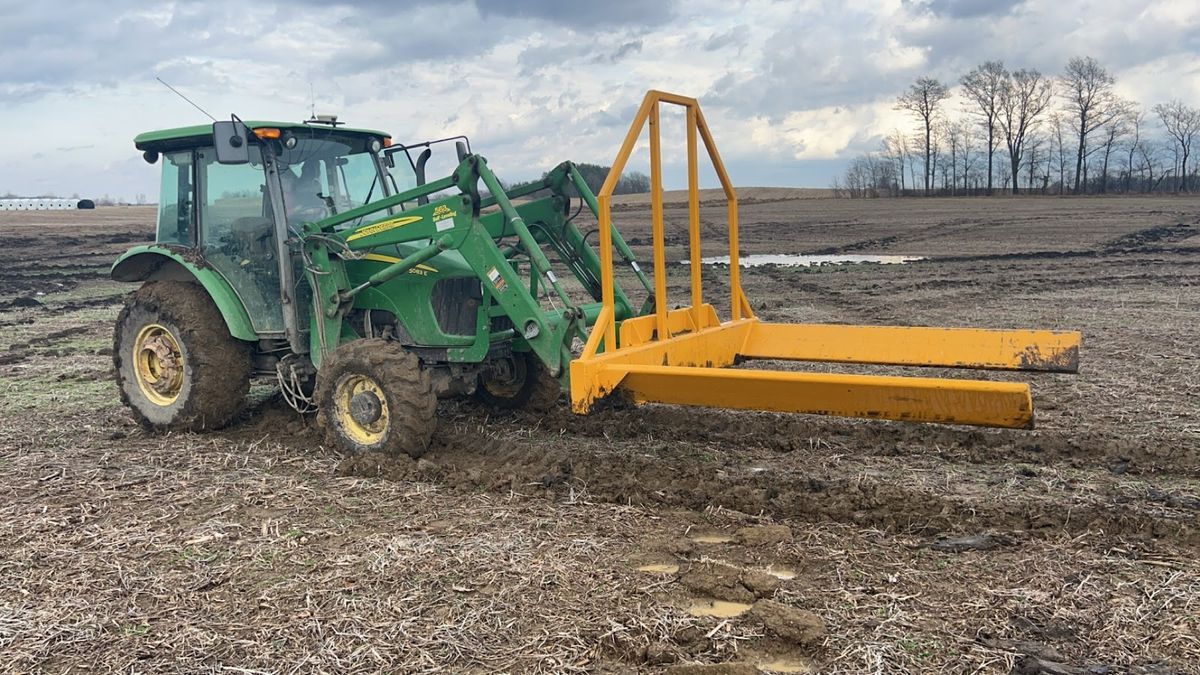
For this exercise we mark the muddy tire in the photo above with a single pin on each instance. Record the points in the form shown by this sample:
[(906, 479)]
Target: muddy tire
[(529, 386), (375, 396), (177, 366)]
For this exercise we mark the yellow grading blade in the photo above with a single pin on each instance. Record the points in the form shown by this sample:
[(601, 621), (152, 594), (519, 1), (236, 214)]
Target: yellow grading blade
[(909, 399), (682, 356)]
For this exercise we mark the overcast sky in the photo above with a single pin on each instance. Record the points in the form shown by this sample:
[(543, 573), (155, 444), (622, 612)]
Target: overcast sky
[(791, 89)]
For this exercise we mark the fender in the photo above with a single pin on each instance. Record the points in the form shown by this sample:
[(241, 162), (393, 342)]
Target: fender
[(153, 262)]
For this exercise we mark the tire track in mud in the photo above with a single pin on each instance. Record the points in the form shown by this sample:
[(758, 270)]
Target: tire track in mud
[(915, 234), (1159, 234), (660, 458), (473, 462), (988, 283)]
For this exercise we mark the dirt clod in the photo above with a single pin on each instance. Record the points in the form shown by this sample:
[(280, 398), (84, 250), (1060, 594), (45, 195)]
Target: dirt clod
[(1027, 648), (713, 669), (760, 583), (1033, 665), (428, 470), (790, 623), (717, 581), (979, 542), (660, 654), (764, 535)]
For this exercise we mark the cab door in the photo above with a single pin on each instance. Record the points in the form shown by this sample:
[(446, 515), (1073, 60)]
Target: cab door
[(237, 234)]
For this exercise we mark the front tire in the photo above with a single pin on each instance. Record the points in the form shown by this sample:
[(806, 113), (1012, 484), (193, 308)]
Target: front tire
[(177, 366), (374, 396), (524, 383)]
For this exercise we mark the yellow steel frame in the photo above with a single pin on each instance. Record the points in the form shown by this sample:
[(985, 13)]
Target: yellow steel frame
[(682, 356)]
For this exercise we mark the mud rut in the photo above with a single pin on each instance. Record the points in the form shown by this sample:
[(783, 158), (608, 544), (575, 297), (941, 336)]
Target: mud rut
[(1113, 466)]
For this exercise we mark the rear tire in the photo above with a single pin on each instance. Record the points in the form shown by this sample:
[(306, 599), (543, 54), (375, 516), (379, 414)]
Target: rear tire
[(177, 366), (374, 396), (529, 386)]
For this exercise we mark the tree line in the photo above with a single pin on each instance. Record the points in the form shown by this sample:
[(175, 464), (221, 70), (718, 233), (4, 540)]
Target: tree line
[(630, 182), (1021, 131)]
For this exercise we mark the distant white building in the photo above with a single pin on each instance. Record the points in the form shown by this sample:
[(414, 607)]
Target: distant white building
[(44, 204)]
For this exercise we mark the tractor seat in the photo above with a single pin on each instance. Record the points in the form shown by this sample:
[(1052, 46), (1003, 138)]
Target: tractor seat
[(252, 234)]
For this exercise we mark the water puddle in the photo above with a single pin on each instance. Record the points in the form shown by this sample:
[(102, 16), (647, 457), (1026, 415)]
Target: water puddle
[(785, 666), (781, 573), (659, 568), (717, 608), (712, 539), (810, 260)]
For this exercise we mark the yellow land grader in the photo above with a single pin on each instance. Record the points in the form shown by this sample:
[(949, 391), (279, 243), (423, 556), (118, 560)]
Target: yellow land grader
[(683, 356), (309, 253)]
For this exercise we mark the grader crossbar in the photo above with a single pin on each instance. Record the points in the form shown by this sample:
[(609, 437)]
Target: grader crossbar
[(274, 256)]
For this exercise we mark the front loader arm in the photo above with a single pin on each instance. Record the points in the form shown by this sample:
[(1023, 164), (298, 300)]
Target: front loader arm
[(455, 223)]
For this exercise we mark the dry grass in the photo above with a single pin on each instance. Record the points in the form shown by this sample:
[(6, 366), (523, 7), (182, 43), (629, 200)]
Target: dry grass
[(246, 551), (199, 554)]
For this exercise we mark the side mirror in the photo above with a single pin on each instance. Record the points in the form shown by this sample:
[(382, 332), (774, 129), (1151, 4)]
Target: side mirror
[(232, 142), (460, 149)]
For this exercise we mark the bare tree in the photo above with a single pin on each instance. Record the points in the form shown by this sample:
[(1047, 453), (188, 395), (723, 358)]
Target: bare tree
[(1061, 150), (935, 152), (1032, 144), (1135, 134), (968, 160), (1116, 129), (1182, 123), (914, 151), (1088, 88), (983, 86), (1024, 97), (1049, 166), (923, 99), (956, 139), (867, 175), (896, 148), (1149, 154)]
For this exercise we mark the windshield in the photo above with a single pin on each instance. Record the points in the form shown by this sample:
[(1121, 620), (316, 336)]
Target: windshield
[(324, 175)]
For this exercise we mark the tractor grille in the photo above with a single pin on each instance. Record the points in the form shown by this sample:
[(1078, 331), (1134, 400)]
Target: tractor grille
[(456, 304)]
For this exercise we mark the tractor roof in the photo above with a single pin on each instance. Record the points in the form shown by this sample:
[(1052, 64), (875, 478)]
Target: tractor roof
[(186, 137)]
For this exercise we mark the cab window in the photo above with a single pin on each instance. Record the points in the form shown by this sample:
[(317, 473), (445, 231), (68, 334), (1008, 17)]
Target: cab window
[(175, 223)]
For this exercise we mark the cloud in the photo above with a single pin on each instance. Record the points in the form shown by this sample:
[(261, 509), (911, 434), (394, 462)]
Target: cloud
[(737, 36), (626, 49), (973, 8), (785, 85), (584, 16)]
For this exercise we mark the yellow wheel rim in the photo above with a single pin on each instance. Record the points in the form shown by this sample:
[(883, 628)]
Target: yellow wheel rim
[(362, 431), (158, 364)]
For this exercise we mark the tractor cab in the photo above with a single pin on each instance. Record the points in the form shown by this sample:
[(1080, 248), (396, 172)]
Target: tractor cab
[(232, 207)]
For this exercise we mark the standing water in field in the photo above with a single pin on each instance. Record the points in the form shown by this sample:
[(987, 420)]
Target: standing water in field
[(790, 260)]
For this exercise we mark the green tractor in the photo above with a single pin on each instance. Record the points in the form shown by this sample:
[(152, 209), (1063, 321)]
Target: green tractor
[(322, 257)]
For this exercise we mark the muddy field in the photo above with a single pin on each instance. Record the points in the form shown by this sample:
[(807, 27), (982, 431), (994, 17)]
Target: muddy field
[(820, 545)]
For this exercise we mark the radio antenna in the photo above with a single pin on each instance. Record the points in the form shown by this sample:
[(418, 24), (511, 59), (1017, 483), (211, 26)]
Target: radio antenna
[(180, 95)]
